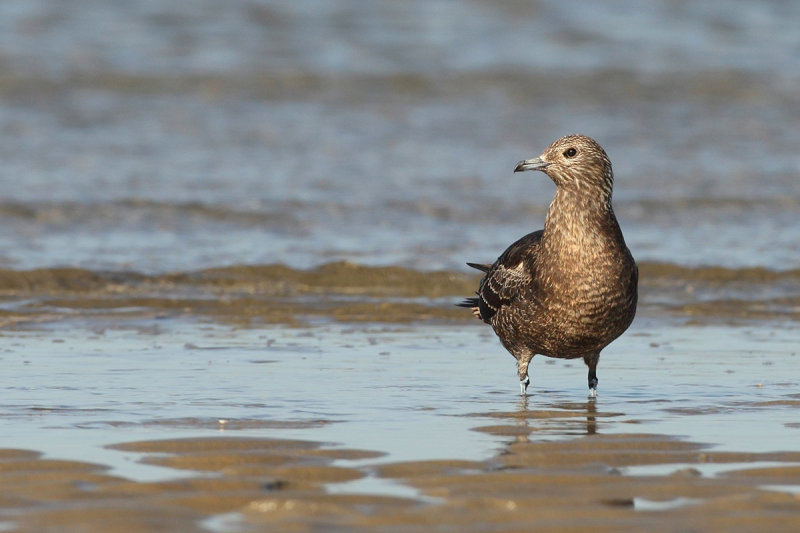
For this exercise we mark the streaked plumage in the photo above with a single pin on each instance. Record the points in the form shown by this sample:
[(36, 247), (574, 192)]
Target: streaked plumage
[(570, 289)]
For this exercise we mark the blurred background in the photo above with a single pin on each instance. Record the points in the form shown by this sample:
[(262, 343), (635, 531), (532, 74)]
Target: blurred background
[(173, 152), (171, 136)]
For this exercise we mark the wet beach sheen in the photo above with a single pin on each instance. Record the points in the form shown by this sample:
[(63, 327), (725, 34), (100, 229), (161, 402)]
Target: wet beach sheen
[(182, 418), (232, 235)]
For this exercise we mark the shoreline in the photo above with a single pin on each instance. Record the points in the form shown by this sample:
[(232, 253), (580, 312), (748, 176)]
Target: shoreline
[(242, 484), (347, 292), (399, 423)]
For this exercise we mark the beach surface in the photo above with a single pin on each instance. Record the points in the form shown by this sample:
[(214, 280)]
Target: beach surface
[(166, 404), (232, 236)]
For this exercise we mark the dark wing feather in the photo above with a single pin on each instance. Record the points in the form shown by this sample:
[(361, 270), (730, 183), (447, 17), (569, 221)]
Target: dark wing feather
[(507, 278), (480, 266)]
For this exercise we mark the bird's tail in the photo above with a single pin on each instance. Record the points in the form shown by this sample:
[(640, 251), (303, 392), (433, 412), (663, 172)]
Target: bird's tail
[(473, 305), (468, 302)]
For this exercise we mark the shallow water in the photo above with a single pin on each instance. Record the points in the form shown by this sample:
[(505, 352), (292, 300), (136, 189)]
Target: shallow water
[(412, 392), (172, 138), (193, 196)]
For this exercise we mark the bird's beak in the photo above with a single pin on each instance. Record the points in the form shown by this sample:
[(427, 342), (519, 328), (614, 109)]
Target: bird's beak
[(531, 164)]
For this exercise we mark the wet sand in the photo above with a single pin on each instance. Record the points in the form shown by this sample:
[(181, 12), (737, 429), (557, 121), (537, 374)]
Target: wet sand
[(344, 291), (161, 417), (244, 484), (184, 348)]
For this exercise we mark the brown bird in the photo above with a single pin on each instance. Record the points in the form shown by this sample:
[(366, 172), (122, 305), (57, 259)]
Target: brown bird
[(570, 289)]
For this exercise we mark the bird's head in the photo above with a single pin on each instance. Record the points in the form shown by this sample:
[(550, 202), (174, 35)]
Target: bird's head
[(574, 162)]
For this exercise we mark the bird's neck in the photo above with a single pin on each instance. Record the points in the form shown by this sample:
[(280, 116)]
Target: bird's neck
[(578, 222)]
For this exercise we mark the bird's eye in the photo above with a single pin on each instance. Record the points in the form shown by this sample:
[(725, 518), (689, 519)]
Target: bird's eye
[(570, 152)]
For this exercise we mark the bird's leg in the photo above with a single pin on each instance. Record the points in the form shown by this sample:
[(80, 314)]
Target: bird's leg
[(522, 370), (592, 383), (591, 362), (523, 386)]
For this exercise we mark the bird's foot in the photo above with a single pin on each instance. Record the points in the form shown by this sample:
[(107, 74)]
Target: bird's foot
[(523, 386), (592, 384)]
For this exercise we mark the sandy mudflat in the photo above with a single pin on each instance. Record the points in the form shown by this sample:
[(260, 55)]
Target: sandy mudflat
[(152, 406), (232, 235), (249, 484)]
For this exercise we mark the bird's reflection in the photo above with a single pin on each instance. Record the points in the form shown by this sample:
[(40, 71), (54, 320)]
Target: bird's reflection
[(522, 403), (591, 416), (526, 411)]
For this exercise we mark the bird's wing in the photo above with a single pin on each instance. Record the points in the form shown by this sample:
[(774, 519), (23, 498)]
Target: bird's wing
[(480, 266), (508, 278)]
